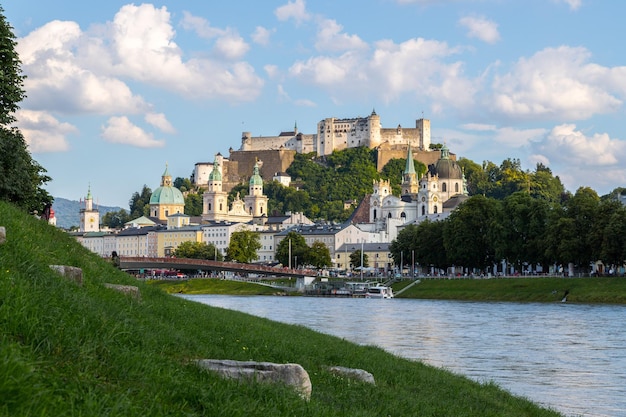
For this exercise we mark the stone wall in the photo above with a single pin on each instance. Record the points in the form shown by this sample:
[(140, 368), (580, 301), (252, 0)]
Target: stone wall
[(273, 161)]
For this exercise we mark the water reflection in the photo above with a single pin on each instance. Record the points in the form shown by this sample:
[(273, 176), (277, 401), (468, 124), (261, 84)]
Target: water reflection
[(565, 356)]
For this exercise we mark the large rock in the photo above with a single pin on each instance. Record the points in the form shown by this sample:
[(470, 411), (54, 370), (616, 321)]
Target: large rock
[(72, 273), (289, 374), (130, 290), (358, 374), (3, 235)]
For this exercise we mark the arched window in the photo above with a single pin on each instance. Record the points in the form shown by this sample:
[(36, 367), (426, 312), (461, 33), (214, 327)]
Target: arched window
[(456, 187), (423, 210), (403, 215), (389, 216), (435, 209), (209, 206), (374, 214), (444, 187)]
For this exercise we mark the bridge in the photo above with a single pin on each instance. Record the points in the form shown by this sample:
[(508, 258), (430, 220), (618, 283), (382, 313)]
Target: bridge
[(136, 263)]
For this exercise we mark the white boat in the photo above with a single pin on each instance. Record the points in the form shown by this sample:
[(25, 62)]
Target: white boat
[(379, 291)]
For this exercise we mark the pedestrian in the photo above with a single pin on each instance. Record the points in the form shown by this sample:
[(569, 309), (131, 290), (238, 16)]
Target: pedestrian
[(115, 259)]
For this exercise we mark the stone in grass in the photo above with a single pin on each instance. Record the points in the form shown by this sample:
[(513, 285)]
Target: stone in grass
[(358, 374), (290, 374), (3, 235), (131, 290), (72, 273)]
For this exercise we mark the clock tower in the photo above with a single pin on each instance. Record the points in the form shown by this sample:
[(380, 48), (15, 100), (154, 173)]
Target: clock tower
[(89, 217)]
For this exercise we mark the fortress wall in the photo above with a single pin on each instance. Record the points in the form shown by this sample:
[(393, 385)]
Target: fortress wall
[(425, 157), (273, 161), (260, 143)]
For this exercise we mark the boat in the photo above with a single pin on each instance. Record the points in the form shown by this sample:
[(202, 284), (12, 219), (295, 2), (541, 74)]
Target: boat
[(379, 291)]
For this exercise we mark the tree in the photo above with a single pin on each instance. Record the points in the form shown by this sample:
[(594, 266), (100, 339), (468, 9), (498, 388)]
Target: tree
[(299, 250), (140, 203), (183, 184), (243, 246), (198, 250), (468, 235), (116, 219), (21, 178), (319, 255), (193, 204), (355, 259)]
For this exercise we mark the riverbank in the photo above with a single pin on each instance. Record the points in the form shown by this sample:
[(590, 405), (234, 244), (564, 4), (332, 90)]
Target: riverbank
[(607, 290), (89, 350)]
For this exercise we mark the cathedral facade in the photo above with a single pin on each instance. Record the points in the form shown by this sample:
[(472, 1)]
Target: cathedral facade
[(437, 192)]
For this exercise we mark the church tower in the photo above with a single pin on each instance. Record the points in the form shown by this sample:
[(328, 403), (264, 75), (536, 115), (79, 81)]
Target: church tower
[(89, 217), (410, 185), (215, 200), (255, 201)]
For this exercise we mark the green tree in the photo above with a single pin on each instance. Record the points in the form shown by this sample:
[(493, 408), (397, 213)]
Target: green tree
[(183, 184), (394, 170), (299, 250), (198, 250), (193, 204), (355, 259), (319, 255), (21, 178), (243, 246), (468, 235), (613, 251), (116, 219), (140, 203)]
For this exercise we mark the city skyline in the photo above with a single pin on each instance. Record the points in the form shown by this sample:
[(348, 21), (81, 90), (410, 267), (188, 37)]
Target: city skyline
[(117, 90)]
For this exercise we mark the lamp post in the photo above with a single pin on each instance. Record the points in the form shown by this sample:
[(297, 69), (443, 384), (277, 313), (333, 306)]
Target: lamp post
[(361, 260), (289, 253)]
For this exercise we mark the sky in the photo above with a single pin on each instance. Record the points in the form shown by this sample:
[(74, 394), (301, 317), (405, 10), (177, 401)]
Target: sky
[(117, 91)]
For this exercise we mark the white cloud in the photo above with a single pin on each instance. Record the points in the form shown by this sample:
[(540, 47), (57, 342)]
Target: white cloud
[(295, 10), (200, 26), (573, 4), (262, 35), (331, 39), (228, 44), (479, 127), (481, 28), (556, 83), (123, 131), (159, 121), (43, 132)]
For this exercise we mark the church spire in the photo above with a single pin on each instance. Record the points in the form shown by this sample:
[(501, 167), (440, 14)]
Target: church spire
[(410, 165)]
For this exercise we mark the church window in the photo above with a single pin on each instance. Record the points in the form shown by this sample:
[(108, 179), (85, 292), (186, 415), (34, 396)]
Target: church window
[(374, 214), (389, 216), (403, 215), (167, 213), (444, 187), (435, 209), (456, 187), (423, 210), (220, 206)]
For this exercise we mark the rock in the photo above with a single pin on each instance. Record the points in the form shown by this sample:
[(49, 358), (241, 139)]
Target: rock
[(289, 374), (3, 235), (358, 374), (72, 273), (131, 290)]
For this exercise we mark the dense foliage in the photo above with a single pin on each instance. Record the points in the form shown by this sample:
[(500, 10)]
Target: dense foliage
[(243, 246), (198, 250), (525, 231), (21, 178)]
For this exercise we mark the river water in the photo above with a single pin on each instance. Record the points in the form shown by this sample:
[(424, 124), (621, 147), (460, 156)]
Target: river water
[(569, 357)]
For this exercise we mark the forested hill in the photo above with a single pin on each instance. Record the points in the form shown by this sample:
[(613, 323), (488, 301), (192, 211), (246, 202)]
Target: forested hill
[(67, 212)]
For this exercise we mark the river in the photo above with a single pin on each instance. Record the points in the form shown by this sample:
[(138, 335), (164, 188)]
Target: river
[(569, 357)]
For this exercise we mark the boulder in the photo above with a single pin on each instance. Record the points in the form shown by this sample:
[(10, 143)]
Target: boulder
[(3, 235), (131, 290), (358, 374), (72, 273), (290, 374)]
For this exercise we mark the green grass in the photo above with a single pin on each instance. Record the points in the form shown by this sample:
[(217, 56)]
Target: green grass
[(550, 289), (213, 286), (69, 350)]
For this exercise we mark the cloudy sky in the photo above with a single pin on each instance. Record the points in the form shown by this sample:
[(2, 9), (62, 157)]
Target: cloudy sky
[(118, 90)]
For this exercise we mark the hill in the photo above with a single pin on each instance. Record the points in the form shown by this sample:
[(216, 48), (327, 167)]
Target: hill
[(67, 212), (87, 350)]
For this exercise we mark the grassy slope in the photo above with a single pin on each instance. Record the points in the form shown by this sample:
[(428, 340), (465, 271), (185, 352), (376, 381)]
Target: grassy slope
[(213, 286), (91, 351)]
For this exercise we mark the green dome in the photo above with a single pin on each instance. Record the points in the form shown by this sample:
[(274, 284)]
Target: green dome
[(167, 195), (256, 179)]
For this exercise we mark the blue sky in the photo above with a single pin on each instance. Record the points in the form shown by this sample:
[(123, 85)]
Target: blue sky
[(116, 90)]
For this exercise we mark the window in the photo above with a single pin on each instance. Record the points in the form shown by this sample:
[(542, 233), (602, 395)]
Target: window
[(444, 187), (456, 187)]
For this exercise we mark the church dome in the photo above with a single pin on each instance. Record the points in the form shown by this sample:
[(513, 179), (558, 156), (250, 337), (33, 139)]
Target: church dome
[(215, 175), (167, 193), (447, 168)]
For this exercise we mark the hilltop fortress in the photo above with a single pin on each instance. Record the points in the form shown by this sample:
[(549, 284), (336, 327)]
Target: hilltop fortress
[(276, 153)]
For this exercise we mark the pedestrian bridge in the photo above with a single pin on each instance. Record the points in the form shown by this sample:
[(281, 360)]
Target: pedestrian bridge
[(136, 263)]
